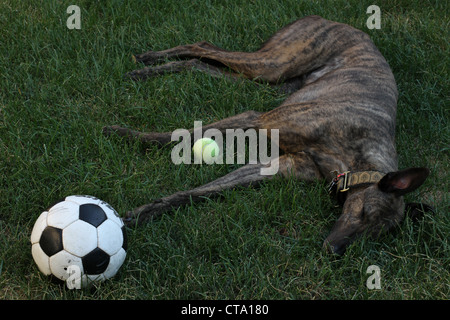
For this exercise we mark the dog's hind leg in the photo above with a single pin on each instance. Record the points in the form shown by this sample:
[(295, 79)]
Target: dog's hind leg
[(245, 120), (293, 51), (179, 66)]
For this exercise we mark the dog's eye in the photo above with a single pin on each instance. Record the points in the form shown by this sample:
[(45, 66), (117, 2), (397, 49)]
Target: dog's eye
[(366, 210)]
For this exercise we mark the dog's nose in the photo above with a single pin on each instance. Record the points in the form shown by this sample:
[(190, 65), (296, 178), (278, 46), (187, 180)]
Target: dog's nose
[(334, 248)]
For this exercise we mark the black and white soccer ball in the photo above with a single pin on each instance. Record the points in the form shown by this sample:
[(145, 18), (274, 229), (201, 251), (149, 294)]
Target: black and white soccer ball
[(81, 239)]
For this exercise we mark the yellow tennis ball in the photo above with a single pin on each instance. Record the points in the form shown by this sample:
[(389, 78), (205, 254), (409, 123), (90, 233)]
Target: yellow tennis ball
[(206, 149)]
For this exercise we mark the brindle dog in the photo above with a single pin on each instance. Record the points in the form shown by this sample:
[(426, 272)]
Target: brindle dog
[(340, 118)]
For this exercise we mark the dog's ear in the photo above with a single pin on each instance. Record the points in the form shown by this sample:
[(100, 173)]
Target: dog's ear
[(415, 211), (404, 181)]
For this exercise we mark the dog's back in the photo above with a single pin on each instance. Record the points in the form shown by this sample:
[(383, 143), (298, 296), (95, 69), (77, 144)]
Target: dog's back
[(343, 115)]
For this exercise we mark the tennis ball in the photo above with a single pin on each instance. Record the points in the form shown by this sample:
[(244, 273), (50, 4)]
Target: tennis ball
[(206, 149)]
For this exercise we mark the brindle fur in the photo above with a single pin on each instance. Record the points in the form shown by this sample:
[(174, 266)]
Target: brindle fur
[(340, 117)]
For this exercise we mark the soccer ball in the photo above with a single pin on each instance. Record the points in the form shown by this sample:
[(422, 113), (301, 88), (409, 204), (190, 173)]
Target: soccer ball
[(79, 240)]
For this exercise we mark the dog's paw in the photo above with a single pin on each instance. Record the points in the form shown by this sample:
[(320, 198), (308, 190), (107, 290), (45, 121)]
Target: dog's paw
[(415, 211), (109, 130)]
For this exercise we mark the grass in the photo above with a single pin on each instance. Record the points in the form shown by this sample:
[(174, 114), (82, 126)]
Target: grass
[(59, 87)]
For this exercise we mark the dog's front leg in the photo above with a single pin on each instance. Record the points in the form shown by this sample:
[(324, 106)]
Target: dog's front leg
[(244, 176), (251, 174)]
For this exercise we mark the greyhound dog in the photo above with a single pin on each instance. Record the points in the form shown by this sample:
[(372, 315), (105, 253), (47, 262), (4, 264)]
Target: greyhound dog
[(337, 124)]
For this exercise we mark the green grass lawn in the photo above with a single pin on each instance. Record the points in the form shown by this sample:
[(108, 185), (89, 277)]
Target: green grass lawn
[(59, 87)]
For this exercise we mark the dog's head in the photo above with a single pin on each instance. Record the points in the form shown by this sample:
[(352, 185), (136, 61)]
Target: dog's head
[(374, 209)]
